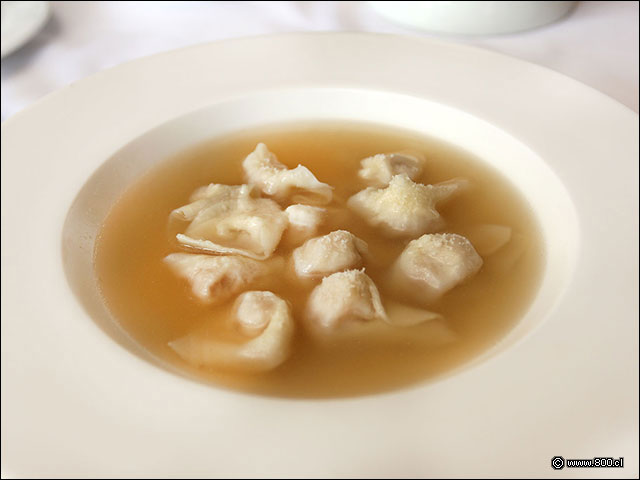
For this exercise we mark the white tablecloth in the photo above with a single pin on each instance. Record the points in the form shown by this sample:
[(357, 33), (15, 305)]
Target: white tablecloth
[(597, 43)]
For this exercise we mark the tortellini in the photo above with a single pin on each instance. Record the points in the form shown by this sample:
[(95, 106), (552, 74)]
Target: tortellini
[(336, 251), (304, 221), (231, 221), (378, 170), (347, 306), (263, 169), (404, 207), (209, 195), (435, 263), (215, 278), (305, 217), (264, 317), (342, 297)]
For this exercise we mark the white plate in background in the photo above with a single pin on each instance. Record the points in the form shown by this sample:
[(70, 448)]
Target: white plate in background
[(20, 22), (76, 403), (474, 18)]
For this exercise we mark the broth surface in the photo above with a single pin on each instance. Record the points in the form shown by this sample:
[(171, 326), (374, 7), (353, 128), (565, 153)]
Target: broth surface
[(155, 306)]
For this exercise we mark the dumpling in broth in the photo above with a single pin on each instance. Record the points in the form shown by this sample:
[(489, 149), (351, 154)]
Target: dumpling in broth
[(336, 251), (378, 170), (215, 278), (404, 207), (343, 297), (435, 263), (263, 169), (232, 221), (346, 306), (304, 221), (305, 217), (208, 195), (265, 318)]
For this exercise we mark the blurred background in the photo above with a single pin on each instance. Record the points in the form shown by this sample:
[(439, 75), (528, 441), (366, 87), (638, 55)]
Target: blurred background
[(47, 45)]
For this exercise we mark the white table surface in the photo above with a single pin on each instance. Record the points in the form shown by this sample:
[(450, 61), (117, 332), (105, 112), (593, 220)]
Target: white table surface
[(597, 43)]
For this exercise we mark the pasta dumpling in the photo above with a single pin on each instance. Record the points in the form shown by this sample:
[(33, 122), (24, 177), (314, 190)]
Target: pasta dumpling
[(404, 207), (263, 169), (436, 263), (343, 297), (265, 318), (378, 170), (305, 217), (231, 221), (209, 195), (304, 221), (215, 278), (336, 251)]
